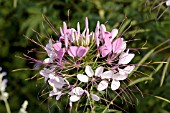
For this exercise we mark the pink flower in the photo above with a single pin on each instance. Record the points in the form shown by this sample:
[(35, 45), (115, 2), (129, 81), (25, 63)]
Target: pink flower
[(74, 51)]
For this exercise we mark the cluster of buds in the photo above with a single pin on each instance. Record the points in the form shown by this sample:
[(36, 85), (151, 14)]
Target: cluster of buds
[(3, 85), (73, 57)]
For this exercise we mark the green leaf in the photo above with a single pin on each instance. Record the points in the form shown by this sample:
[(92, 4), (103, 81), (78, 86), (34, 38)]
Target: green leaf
[(143, 60), (161, 98), (140, 80), (164, 71)]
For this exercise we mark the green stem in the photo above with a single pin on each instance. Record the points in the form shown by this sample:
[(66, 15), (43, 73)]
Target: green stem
[(7, 106)]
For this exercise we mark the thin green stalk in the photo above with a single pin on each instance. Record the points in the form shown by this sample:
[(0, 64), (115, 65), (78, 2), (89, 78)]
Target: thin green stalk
[(7, 106)]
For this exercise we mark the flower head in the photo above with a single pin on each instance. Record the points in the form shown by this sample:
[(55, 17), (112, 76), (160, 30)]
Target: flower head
[(85, 64)]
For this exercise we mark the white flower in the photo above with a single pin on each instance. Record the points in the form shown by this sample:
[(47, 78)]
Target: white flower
[(50, 50), (76, 94), (90, 73), (57, 82), (56, 92), (47, 73), (116, 77)]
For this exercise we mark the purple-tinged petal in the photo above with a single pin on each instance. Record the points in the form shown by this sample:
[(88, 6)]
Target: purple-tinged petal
[(61, 53), (117, 44), (81, 52), (96, 34), (108, 44), (107, 35), (73, 51), (95, 97), (57, 46), (104, 51)]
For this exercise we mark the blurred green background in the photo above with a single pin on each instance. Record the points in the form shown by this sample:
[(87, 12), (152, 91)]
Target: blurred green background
[(19, 17)]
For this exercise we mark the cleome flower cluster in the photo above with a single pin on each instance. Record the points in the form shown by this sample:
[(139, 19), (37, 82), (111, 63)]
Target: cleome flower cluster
[(83, 65)]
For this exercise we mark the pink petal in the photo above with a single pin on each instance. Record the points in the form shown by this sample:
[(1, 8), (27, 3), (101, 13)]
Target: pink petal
[(81, 52), (73, 51), (108, 44), (115, 85), (96, 34), (104, 51), (57, 46), (117, 44), (61, 53)]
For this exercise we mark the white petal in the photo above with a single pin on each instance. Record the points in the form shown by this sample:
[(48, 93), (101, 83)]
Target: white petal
[(123, 47), (115, 85), (54, 92), (107, 75), (121, 76), (99, 71), (129, 69), (87, 93), (83, 78), (74, 98), (114, 33), (55, 84), (125, 58), (78, 91), (89, 71), (168, 3), (95, 97), (58, 97), (48, 60), (102, 85)]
